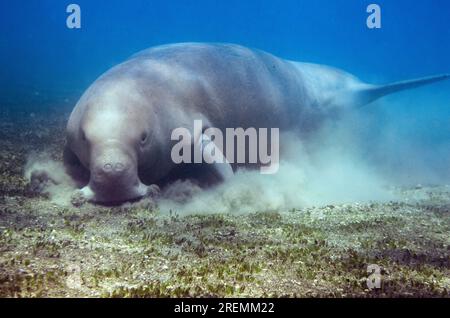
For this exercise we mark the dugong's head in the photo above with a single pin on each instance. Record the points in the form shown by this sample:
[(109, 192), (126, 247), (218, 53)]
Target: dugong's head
[(110, 132)]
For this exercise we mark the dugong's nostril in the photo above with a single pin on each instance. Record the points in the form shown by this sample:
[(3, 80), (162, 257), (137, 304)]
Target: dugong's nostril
[(113, 167), (119, 166)]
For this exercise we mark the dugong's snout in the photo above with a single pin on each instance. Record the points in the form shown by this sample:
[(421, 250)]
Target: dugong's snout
[(109, 173), (112, 164), (114, 177), (113, 186), (112, 195)]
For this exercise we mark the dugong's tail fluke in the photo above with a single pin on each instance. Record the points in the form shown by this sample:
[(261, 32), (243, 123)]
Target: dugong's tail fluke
[(373, 92)]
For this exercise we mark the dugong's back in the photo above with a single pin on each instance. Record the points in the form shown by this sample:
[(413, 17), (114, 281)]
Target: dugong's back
[(119, 133), (235, 86)]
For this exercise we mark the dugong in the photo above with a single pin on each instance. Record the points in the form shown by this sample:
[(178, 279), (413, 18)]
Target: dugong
[(119, 133)]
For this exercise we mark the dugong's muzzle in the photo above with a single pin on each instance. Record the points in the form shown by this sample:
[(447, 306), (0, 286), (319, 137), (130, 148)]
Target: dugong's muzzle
[(114, 176)]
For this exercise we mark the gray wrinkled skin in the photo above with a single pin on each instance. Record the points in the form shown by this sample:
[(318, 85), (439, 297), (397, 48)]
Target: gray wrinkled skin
[(118, 135)]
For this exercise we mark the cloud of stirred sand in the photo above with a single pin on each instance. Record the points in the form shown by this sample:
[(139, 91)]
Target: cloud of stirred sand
[(324, 171), (355, 158), (48, 176)]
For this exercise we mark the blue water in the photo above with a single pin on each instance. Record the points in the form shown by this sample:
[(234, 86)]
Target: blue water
[(38, 49), (43, 62)]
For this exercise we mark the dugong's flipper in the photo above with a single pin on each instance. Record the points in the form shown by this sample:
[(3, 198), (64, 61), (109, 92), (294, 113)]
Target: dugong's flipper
[(218, 161)]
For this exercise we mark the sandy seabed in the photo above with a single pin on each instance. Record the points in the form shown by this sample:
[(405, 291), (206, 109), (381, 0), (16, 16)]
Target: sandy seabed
[(49, 250)]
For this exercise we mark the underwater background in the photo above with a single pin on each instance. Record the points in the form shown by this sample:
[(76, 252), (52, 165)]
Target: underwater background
[(38, 51), (376, 192)]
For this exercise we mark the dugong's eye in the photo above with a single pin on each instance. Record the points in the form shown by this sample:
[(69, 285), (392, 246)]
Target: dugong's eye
[(144, 137)]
